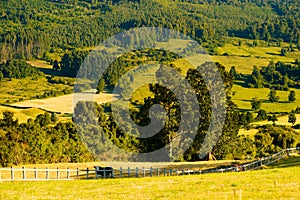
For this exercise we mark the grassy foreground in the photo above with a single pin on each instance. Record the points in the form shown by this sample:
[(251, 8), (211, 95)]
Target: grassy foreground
[(276, 182)]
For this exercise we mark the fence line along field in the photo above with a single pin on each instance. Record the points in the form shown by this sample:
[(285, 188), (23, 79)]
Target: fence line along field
[(82, 167), (273, 182)]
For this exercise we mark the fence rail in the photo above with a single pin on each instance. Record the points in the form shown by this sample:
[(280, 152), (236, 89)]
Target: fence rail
[(29, 174)]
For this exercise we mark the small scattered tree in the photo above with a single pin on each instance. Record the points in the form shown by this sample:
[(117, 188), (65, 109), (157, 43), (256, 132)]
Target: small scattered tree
[(272, 96), (249, 117), (56, 65), (292, 118), (233, 73), (255, 103), (292, 96), (100, 86), (54, 118), (261, 115), (256, 78)]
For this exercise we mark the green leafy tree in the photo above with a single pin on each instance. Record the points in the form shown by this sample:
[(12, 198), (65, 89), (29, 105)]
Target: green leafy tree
[(101, 86), (271, 139), (292, 118), (233, 73), (56, 65), (54, 118), (261, 115), (273, 96), (255, 103), (263, 143), (292, 96), (256, 78)]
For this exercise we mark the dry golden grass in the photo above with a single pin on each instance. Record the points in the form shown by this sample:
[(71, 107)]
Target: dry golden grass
[(64, 104), (40, 64)]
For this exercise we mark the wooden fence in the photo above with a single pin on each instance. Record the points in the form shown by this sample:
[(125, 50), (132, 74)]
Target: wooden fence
[(26, 174)]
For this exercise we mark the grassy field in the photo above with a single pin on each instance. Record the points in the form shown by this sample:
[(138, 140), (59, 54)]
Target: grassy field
[(244, 57), (244, 96), (22, 114), (62, 104), (16, 90), (275, 182)]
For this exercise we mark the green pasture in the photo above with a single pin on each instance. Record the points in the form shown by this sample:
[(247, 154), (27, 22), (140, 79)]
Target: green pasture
[(16, 90), (245, 56), (243, 97)]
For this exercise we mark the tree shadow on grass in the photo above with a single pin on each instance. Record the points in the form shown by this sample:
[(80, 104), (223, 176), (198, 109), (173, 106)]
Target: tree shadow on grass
[(273, 54), (241, 83), (51, 72)]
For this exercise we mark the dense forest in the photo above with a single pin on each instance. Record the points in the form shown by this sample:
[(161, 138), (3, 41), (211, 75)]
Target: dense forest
[(35, 28)]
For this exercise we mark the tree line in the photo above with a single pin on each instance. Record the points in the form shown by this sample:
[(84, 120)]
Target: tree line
[(37, 28), (39, 140), (18, 69)]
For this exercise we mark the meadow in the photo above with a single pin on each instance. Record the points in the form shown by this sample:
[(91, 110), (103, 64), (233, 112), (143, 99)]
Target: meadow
[(22, 114), (278, 181), (244, 55), (17, 90), (243, 97)]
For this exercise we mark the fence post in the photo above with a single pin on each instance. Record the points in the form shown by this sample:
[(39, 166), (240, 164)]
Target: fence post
[(104, 174), (136, 172), (157, 172), (150, 171), (68, 173), (12, 173), (164, 172), (96, 172), (144, 173), (57, 174), (24, 173), (171, 172), (112, 173), (47, 173), (121, 172), (77, 173), (35, 173), (87, 173), (182, 172), (176, 172), (128, 171)]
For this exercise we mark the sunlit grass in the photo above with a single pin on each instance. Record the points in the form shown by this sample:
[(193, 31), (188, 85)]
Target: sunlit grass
[(243, 97), (275, 182)]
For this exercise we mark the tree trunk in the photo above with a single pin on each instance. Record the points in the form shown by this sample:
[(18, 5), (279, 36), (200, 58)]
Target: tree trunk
[(211, 157)]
